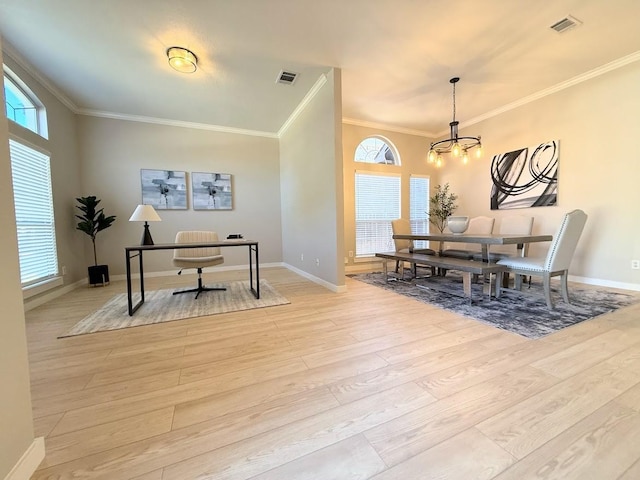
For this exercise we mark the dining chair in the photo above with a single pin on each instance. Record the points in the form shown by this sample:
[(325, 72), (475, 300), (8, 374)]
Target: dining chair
[(197, 258), (477, 226), (555, 263), (401, 226), (510, 225)]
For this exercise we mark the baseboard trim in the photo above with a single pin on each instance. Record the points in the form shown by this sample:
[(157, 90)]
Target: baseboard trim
[(34, 302), (29, 461), (319, 281), (605, 283)]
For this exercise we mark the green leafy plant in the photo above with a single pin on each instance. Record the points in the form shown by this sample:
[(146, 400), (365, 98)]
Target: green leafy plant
[(92, 220), (443, 204)]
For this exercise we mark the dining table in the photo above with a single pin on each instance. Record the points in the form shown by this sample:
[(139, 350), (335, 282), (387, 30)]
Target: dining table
[(485, 241)]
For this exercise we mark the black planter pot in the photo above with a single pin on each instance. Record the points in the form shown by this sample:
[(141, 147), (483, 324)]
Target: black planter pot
[(99, 275)]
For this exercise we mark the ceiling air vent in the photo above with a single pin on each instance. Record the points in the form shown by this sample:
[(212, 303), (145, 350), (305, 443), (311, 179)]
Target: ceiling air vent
[(286, 77), (565, 24)]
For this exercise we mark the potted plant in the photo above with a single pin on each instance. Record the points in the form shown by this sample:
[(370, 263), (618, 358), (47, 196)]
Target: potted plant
[(443, 204), (92, 221)]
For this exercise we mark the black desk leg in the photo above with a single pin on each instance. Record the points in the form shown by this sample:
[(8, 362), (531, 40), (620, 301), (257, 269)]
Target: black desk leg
[(257, 272), (129, 298), (141, 279), (131, 307), (256, 290)]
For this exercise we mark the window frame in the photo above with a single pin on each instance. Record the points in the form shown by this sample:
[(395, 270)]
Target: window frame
[(39, 125), (387, 142), (20, 136), (383, 241), (20, 150)]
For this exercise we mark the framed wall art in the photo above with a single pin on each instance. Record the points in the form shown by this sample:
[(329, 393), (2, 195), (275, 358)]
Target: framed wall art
[(526, 177), (211, 191), (164, 189)]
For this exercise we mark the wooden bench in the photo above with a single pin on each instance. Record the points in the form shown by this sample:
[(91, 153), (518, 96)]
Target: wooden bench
[(466, 267)]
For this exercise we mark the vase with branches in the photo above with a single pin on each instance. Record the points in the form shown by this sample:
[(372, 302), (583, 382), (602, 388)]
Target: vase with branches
[(443, 205), (92, 221)]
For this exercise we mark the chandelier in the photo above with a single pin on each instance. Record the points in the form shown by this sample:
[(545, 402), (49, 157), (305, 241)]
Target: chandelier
[(457, 146)]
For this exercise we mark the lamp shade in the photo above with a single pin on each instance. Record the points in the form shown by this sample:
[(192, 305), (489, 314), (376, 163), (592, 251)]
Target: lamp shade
[(145, 213)]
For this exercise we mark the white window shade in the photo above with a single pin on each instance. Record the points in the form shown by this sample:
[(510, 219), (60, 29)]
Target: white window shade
[(33, 201), (377, 204), (419, 207)]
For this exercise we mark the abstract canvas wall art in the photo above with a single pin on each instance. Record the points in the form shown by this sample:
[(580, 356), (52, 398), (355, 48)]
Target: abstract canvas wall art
[(164, 189), (527, 177), (211, 191)]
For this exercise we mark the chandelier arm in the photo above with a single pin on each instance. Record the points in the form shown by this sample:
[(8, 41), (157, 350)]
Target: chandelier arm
[(444, 146)]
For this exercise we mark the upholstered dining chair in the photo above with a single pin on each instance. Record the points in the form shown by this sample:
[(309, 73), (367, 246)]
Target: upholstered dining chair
[(510, 225), (402, 226), (198, 258), (477, 226), (555, 263)]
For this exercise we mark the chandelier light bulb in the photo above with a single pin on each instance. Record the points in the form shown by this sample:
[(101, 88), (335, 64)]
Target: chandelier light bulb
[(465, 157), (439, 161), (432, 156), (479, 151), (455, 150)]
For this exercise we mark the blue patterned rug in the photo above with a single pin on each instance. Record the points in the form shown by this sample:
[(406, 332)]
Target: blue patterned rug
[(524, 313)]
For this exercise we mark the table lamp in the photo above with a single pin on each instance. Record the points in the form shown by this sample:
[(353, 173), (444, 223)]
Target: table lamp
[(145, 213)]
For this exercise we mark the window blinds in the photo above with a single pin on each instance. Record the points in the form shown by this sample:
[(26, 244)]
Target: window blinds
[(419, 207), (31, 174), (377, 203)]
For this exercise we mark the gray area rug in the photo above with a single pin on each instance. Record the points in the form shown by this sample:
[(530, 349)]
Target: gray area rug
[(163, 306), (523, 313)]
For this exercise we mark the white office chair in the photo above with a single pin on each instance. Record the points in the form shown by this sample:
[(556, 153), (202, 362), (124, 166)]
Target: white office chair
[(555, 263), (401, 226), (197, 258), (477, 226)]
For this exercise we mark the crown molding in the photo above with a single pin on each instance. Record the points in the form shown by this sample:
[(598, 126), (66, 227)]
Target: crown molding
[(12, 53), (174, 123), (313, 91), (15, 56), (391, 128), (596, 72)]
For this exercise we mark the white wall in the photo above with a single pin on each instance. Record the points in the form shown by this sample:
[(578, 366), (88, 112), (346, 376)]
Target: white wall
[(312, 189), (113, 152), (597, 123), (16, 421)]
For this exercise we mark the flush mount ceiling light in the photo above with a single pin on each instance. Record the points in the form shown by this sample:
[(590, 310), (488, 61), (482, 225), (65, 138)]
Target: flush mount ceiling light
[(182, 60), (457, 146)]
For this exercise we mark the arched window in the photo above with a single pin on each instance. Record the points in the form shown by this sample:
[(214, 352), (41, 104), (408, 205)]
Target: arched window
[(22, 106), (377, 150)]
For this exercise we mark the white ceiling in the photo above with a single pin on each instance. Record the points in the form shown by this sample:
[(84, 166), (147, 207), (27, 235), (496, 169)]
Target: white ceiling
[(396, 56)]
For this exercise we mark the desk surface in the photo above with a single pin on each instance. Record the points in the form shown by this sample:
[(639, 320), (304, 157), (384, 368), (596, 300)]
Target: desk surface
[(173, 246), (482, 239)]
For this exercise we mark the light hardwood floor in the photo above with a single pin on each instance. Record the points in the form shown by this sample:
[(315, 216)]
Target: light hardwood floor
[(363, 384)]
